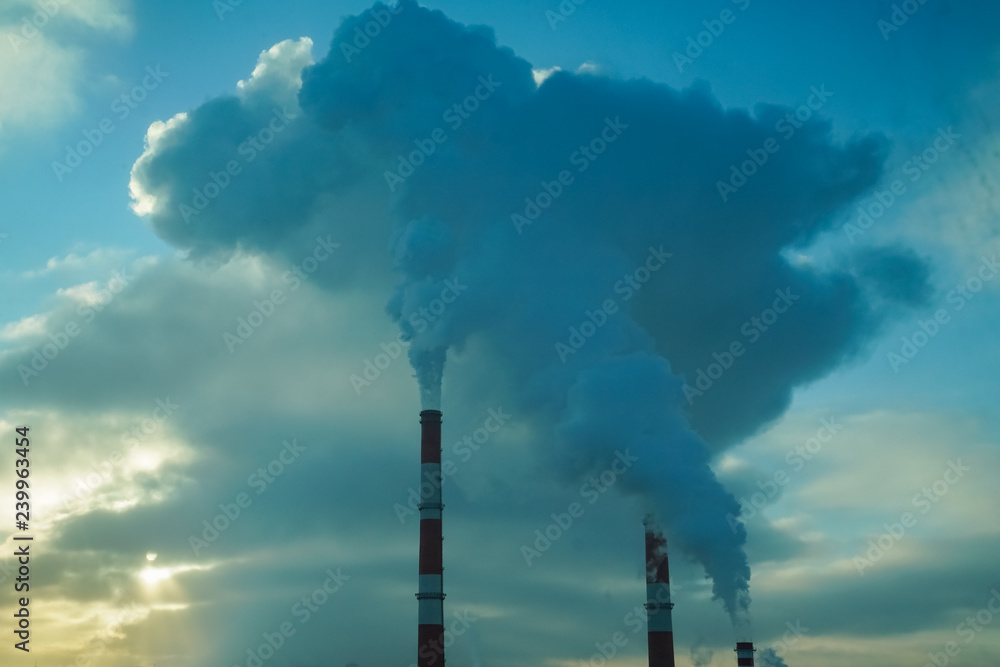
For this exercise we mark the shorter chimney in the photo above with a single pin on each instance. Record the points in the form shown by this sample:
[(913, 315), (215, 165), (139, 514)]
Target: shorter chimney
[(744, 654)]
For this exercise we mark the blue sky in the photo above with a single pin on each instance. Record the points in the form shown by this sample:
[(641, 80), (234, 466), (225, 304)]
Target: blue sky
[(321, 271)]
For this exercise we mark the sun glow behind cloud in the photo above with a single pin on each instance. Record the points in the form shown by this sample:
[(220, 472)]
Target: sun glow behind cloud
[(151, 576)]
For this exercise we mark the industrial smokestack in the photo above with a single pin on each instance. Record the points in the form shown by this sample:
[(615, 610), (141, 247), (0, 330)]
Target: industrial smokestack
[(744, 654), (430, 599), (658, 605)]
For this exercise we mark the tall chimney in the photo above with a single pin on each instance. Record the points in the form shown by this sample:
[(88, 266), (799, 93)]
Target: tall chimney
[(430, 599), (659, 623), (744, 654)]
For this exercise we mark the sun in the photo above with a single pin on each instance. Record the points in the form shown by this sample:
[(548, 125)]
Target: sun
[(152, 575)]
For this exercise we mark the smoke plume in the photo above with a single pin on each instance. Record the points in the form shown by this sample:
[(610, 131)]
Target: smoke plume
[(656, 554), (701, 655), (769, 658), (570, 233)]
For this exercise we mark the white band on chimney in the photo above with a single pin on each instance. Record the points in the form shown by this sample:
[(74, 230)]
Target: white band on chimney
[(431, 583), (430, 483), (660, 621), (658, 607), (430, 611), (658, 593)]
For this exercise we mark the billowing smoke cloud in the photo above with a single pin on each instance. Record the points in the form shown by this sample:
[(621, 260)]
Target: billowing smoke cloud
[(701, 655), (770, 658), (571, 232)]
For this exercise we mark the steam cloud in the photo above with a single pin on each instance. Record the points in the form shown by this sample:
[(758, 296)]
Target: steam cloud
[(769, 658), (701, 655), (521, 216)]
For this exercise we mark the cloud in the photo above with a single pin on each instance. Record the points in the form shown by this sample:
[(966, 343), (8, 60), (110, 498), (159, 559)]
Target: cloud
[(34, 80), (98, 259), (169, 322), (832, 506), (540, 75), (42, 66), (278, 75), (115, 466), (33, 325), (108, 16)]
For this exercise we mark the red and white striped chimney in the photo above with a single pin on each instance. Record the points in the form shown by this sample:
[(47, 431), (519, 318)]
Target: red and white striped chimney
[(744, 654), (659, 623), (430, 599)]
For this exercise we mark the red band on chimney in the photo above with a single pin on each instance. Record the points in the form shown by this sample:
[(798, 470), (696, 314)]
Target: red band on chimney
[(661, 649), (430, 546), (430, 436), (430, 639)]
